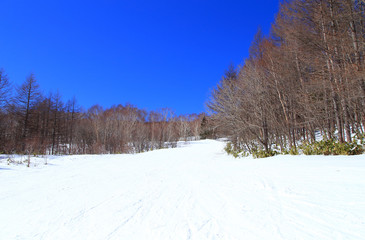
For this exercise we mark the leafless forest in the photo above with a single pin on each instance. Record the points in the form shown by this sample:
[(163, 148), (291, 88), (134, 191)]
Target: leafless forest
[(307, 76), (34, 124)]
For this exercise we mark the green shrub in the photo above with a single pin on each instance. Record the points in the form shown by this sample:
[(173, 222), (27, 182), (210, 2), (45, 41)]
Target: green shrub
[(259, 153), (230, 150), (332, 147), (293, 151), (234, 150), (323, 147)]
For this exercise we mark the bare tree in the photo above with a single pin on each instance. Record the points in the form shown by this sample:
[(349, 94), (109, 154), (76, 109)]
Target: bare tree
[(28, 95), (4, 89), (306, 76)]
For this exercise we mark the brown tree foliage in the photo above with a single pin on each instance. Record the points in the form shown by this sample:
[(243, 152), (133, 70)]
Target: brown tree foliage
[(34, 124), (307, 76)]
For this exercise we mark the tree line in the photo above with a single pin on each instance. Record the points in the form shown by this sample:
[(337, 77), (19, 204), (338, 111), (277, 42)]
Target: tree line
[(36, 124), (307, 76)]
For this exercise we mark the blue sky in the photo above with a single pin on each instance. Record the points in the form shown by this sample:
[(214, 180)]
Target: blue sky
[(152, 54)]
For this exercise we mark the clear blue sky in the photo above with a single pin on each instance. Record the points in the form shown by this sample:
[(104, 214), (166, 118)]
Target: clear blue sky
[(151, 54)]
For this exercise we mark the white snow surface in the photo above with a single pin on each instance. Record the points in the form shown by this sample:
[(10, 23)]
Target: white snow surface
[(195, 191)]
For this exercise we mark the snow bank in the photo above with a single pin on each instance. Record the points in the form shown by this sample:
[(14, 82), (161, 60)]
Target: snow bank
[(192, 192)]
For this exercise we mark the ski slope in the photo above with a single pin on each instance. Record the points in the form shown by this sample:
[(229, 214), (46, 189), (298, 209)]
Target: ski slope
[(195, 191)]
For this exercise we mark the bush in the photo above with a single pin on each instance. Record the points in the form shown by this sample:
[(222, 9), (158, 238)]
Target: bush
[(291, 151), (238, 151), (294, 151), (324, 147), (232, 149), (259, 153), (332, 147)]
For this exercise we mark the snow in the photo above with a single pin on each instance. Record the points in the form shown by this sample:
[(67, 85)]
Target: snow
[(195, 191)]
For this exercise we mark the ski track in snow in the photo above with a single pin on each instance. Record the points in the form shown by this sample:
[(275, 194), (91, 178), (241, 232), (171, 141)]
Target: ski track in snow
[(192, 192)]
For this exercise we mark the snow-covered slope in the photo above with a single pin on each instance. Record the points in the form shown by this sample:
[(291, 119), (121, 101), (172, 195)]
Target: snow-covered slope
[(192, 192)]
